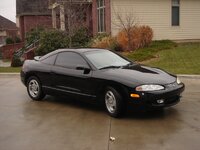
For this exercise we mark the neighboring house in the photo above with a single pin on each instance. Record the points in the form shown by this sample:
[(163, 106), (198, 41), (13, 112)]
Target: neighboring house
[(32, 13), (169, 19), (7, 29)]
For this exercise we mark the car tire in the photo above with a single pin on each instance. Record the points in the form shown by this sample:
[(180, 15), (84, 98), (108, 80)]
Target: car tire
[(34, 89), (113, 102)]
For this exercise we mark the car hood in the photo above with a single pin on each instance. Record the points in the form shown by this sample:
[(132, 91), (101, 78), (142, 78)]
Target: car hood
[(137, 75)]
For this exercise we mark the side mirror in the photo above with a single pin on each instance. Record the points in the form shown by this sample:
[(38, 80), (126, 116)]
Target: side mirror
[(86, 69)]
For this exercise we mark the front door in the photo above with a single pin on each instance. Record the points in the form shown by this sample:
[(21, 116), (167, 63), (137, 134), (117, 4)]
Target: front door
[(69, 77)]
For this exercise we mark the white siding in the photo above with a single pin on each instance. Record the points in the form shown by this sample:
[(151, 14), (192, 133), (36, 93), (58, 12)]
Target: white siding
[(157, 14)]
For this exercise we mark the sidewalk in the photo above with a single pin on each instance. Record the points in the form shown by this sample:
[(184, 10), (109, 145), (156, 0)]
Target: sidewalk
[(4, 64)]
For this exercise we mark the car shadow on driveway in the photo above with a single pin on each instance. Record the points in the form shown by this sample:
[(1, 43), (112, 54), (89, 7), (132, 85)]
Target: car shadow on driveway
[(94, 107)]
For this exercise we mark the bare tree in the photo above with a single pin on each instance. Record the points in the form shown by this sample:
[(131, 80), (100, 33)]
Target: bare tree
[(75, 12), (126, 23)]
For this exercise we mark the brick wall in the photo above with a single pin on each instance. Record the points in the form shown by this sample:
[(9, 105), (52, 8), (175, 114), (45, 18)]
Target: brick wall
[(8, 50), (29, 22)]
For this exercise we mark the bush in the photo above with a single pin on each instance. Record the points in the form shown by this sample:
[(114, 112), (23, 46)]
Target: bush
[(52, 40), (138, 37), (9, 40), (146, 34), (34, 34), (107, 43), (17, 40), (81, 37), (16, 62)]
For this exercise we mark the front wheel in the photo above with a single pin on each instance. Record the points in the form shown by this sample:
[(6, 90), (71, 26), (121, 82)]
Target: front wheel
[(113, 102), (34, 88)]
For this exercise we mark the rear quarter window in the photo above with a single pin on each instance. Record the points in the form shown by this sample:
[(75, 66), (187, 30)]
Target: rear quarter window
[(49, 60)]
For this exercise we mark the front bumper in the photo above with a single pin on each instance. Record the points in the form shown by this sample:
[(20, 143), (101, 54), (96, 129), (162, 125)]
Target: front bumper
[(149, 100)]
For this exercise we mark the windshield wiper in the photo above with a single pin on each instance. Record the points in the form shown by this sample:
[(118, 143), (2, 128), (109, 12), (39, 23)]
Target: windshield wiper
[(128, 65), (107, 67)]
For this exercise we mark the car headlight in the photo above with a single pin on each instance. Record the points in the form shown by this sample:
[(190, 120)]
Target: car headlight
[(178, 81), (150, 87)]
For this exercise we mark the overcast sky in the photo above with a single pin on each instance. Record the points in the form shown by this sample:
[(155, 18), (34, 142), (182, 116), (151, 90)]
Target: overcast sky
[(8, 9)]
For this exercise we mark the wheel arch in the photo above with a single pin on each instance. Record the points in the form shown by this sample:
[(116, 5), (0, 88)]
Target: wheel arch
[(117, 86), (31, 74)]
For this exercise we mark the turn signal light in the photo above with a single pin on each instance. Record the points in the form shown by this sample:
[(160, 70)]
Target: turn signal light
[(135, 95)]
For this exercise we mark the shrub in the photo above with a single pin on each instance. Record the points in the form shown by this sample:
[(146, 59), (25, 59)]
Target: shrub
[(9, 40), (97, 38), (34, 34), (81, 37), (106, 42), (138, 37), (17, 40), (52, 40), (16, 62), (146, 35)]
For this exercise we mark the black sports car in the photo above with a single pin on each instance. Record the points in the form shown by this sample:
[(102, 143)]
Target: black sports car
[(101, 75)]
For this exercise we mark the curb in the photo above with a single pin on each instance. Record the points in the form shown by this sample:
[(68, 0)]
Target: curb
[(9, 74), (189, 76)]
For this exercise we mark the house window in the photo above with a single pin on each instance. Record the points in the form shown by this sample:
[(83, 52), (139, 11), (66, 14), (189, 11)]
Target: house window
[(175, 12), (101, 15)]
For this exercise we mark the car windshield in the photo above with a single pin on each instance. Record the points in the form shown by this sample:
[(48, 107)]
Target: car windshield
[(106, 59)]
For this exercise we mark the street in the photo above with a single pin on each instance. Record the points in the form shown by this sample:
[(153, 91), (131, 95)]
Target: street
[(65, 124)]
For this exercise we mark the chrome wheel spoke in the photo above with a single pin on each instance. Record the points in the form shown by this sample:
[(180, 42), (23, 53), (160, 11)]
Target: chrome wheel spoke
[(33, 88), (110, 101)]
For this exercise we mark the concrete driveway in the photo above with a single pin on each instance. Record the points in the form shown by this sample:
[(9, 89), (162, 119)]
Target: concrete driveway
[(65, 124)]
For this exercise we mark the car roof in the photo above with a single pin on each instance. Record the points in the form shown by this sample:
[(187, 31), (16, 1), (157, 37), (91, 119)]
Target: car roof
[(78, 50)]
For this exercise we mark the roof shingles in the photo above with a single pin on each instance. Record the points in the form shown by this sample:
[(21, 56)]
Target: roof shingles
[(7, 24)]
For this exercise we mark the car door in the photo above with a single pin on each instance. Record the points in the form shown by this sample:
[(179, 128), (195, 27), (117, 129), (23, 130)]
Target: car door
[(44, 70), (70, 75)]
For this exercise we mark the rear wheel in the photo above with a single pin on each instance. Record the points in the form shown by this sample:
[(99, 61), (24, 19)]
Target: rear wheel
[(113, 102), (34, 88)]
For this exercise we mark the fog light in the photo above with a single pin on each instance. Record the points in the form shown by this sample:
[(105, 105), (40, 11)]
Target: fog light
[(160, 101)]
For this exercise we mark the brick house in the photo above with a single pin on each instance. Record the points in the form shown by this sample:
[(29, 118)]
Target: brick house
[(169, 19), (7, 29), (34, 13)]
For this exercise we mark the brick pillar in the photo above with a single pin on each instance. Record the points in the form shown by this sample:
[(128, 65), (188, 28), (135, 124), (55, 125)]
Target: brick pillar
[(94, 16)]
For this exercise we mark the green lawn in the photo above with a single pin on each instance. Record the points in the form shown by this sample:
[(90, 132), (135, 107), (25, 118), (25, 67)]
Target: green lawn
[(183, 59), (10, 69), (150, 51)]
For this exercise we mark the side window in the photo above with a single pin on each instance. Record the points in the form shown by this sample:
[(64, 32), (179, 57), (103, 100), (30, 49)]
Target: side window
[(49, 60), (70, 60)]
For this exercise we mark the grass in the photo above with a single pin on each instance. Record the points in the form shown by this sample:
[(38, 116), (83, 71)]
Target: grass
[(10, 69), (183, 59), (150, 52)]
